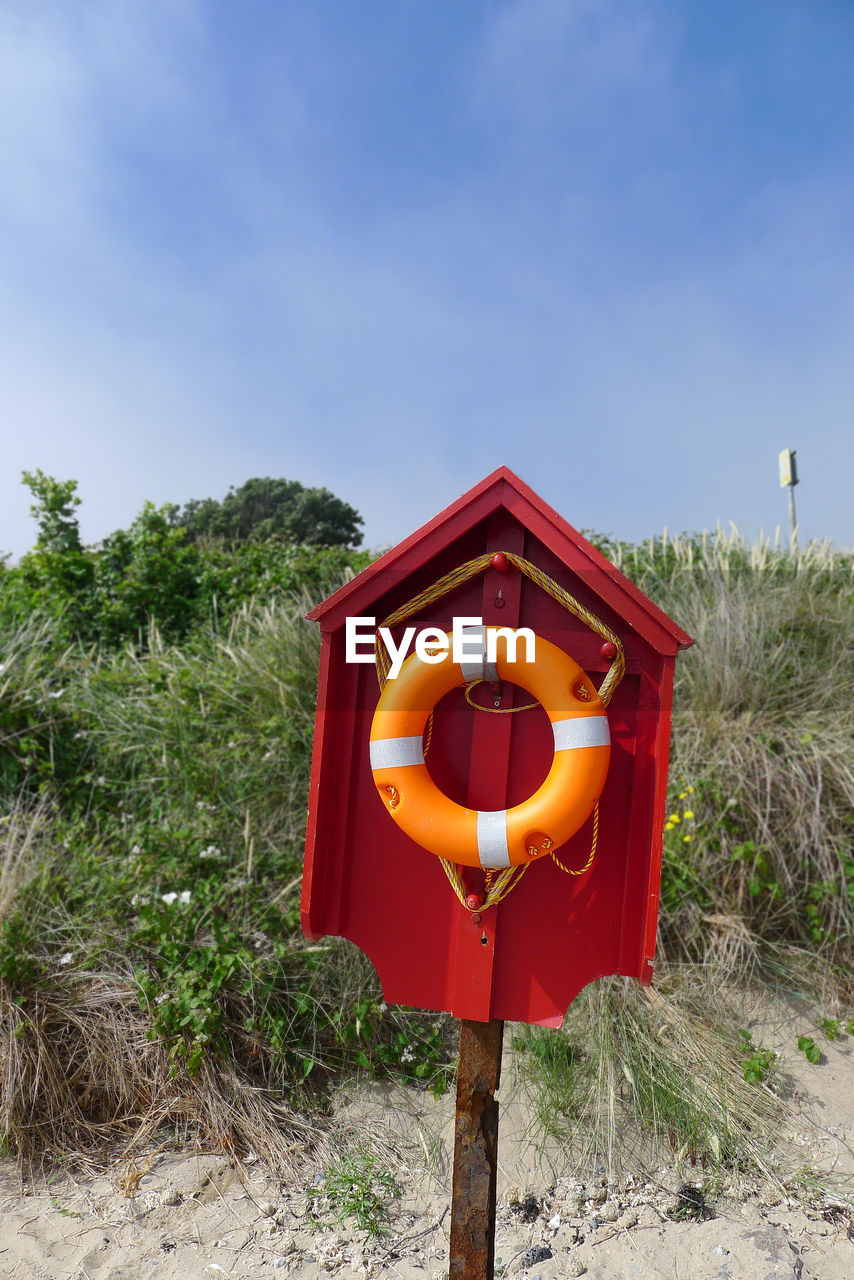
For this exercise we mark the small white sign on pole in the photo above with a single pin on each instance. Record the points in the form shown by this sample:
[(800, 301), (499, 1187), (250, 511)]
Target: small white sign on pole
[(788, 467)]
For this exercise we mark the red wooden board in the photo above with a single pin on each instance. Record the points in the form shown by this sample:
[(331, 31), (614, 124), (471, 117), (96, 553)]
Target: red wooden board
[(365, 880)]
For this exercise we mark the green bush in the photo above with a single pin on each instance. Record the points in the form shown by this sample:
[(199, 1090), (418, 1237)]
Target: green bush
[(174, 572)]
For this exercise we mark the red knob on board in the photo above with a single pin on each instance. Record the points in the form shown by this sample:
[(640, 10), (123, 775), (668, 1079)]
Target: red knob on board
[(473, 901), (500, 562), (609, 649)]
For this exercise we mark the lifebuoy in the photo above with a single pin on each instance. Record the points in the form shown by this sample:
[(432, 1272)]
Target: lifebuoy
[(503, 837)]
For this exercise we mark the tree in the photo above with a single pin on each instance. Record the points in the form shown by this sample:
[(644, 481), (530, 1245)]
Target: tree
[(263, 508), (53, 511), (58, 569), (147, 572)]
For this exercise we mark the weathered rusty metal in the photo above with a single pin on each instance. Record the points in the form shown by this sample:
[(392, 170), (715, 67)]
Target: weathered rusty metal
[(472, 1245)]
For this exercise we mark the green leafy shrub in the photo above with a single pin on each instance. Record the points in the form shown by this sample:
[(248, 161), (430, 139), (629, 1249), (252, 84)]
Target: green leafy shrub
[(758, 1062), (399, 1042), (809, 1049), (356, 1187)]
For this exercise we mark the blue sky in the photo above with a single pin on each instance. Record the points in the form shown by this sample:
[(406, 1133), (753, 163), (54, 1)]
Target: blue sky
[(387, 245)]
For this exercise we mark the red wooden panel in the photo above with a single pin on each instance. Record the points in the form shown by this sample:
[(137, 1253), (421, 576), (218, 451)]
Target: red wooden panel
[(366, 881)]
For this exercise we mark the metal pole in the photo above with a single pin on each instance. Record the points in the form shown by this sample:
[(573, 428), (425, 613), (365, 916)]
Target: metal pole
[(793, 524), (472, 1244)]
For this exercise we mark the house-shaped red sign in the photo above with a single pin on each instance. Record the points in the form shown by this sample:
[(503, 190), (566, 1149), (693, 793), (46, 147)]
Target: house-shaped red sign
[(365, 879)]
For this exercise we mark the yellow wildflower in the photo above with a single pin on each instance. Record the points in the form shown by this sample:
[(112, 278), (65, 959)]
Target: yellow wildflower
[(687, 838), (689, 813), (690, 791), (674, 817), (668, 826)]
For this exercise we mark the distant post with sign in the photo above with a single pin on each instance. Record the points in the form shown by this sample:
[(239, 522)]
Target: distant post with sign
[(788, 479)]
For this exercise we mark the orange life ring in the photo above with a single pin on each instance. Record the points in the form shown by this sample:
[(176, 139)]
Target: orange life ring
[(504, 837)]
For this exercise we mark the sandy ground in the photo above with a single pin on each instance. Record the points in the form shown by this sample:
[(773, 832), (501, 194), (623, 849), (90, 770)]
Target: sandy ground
[(172, 1214)]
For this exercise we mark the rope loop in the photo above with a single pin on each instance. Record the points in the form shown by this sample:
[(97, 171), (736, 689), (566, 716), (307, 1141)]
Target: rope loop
[(570, 871), (494, 711)]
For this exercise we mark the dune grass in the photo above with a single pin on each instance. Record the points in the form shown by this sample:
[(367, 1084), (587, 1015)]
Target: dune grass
[(639, 1074), (152, 971), (763, 732)]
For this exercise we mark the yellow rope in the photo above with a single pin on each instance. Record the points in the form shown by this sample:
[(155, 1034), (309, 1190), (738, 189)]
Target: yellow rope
[(589, 863), (468, 570), (498, 885), (495, 711), (495, 890), (617, 669)]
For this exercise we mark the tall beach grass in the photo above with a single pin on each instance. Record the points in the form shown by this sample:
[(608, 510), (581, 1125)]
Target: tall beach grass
[(152, 971)]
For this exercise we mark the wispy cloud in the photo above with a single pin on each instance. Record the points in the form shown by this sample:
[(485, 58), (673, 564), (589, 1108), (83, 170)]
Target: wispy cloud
[(545, 60)]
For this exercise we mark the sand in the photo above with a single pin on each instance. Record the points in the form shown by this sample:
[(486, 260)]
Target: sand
[(174, 1214)]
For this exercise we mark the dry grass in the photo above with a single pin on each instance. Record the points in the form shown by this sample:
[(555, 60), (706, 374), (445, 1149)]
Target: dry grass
[(83, 1081), (21, 836)]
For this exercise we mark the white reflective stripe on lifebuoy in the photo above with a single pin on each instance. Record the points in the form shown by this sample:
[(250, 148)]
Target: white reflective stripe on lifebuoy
[(474, 665), (581, 731), (394, 753), (492, 847)]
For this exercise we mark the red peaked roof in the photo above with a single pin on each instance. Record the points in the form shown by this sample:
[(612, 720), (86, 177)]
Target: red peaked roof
[(504, 489)]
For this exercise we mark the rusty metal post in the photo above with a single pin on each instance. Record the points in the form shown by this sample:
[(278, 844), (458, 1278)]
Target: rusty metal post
[(472, 1246)]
